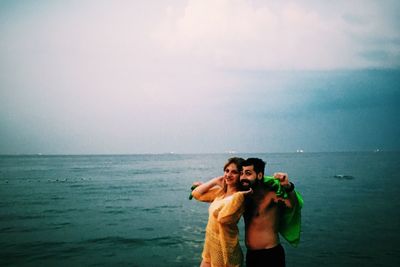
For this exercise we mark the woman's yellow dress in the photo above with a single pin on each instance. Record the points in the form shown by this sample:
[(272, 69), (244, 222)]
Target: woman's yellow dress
[(221, 245)]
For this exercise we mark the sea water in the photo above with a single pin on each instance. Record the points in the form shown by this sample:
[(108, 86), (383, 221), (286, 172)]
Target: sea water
[(133, 210)]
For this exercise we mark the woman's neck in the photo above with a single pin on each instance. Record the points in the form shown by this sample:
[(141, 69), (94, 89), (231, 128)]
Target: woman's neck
[(230, 190)]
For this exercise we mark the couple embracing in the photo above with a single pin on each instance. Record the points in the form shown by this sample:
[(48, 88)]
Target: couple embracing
[(269, 205)]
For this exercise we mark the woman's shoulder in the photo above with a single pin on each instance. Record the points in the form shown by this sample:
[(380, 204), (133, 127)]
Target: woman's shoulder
[(238, 195)]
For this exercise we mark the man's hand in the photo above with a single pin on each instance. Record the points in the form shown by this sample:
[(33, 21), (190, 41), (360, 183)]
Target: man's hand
[(283, 179)]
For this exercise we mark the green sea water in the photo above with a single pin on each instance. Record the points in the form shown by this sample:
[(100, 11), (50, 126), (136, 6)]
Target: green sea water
[(133, 210)]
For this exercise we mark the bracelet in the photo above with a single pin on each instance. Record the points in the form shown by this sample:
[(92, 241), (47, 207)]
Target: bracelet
[(290, 189)]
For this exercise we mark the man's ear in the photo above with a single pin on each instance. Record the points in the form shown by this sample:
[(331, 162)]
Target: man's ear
[(259, 175)]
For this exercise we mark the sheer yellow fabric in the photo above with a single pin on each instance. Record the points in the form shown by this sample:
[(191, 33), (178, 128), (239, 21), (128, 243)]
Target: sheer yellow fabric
[(221, 246)]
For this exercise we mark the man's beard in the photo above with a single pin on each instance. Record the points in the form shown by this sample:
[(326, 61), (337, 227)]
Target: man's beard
[(246, 184)]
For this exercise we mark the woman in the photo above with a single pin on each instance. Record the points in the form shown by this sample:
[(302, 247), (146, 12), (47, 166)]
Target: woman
[(221, 245)]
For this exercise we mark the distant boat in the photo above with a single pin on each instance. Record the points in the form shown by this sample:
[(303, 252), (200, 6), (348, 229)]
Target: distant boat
[(299, 150), (342, 176)]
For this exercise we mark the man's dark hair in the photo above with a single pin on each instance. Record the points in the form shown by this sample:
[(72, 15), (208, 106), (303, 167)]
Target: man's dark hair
[(259, 164)]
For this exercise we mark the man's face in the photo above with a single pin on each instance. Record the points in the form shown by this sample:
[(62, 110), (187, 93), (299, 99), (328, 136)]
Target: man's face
[(248, 177)]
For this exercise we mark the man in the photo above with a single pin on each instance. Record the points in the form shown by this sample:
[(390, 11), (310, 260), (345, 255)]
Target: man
[(265, 214)]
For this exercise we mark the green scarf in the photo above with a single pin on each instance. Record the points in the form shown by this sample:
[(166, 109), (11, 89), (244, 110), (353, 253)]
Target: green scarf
[(290, 224)]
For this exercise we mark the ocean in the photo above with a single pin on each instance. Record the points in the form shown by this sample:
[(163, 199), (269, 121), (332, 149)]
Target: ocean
[(133, 210)]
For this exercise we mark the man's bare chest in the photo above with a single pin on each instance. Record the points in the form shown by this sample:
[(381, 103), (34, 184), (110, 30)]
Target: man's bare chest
[(264, 205)]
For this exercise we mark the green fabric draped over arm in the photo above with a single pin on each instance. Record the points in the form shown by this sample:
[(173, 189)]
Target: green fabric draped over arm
[(290, 224)]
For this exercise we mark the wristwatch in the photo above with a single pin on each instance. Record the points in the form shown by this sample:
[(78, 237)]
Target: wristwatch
[(290, 188)]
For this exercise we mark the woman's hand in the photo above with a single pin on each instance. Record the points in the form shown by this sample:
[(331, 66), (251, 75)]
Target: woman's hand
[(218, 181), (247, 192), (196, 184)]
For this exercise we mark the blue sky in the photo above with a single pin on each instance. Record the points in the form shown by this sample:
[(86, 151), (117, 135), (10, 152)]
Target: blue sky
[(198, 76)]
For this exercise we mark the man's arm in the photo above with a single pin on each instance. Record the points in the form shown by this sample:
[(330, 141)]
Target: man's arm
[(289, 188)]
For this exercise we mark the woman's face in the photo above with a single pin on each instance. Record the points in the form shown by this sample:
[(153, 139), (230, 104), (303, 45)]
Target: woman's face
[(231, 174)]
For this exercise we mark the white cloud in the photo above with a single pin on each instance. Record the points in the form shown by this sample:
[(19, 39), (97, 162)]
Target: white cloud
[(240, 35)]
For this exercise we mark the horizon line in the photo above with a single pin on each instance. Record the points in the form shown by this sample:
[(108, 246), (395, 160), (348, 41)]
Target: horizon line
[(195, 153)]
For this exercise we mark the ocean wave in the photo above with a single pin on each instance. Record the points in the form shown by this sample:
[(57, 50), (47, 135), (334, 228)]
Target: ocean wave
[(147, 229), (157, 209), (39, 250), (30, 247), (16, 217), (62, 211), (114, 211), (155, 241)]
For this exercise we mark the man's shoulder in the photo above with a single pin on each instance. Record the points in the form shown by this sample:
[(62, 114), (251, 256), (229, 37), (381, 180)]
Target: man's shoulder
[(263, 191)]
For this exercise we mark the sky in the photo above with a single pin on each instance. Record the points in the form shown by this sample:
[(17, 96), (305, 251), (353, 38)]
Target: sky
[(199, 76)]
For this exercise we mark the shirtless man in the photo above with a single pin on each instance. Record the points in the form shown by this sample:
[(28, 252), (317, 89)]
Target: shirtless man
[(262, 215)]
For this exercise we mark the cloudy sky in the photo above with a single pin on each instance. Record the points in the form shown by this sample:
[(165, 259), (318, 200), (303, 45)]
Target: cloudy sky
[(198, 76)]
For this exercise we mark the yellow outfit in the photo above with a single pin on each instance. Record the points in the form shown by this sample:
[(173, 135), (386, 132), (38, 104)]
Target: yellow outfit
[(221, 245)]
